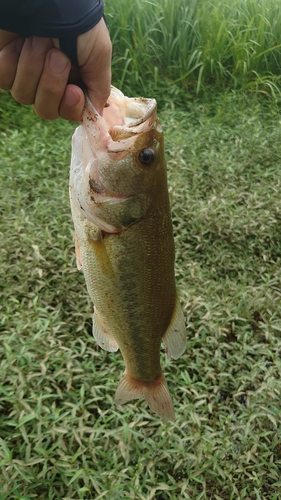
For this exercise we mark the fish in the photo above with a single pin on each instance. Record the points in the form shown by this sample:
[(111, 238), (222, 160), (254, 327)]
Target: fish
[(124, 242)]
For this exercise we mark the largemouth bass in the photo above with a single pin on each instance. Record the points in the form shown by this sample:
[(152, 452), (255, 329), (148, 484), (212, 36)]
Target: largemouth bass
[(124, 242)]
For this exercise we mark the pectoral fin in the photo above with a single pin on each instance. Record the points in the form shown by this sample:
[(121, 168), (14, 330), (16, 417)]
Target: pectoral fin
[(175, 336), (155, 393), (104, 339), (78, 253)]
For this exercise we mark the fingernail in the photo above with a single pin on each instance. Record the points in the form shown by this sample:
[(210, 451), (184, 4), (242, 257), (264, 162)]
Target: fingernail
[(58, 61), (40, 45), (71, 98), (19, 45)]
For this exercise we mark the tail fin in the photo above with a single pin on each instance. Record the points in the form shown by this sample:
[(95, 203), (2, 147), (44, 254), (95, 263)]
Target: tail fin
[(155, 393)]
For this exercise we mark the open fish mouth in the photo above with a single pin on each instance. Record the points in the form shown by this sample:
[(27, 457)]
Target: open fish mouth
[(123, 119), (126, 113)]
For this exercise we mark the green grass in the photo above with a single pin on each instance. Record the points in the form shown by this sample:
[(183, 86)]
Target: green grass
[(61, 436), (196, 42)]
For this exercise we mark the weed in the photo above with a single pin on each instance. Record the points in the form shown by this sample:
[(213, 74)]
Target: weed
[(161, 42)]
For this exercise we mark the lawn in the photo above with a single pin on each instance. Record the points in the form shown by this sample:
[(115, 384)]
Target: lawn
[(61, 436)]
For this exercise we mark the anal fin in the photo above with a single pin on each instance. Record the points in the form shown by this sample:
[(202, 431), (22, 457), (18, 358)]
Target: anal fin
[(175, 336), (104, 339), (156, 394)]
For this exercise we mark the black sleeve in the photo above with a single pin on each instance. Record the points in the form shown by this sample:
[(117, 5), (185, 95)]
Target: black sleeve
[(50, 18), (63, 19)]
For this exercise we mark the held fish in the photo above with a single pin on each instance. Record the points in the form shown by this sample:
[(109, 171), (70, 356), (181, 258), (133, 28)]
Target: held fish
[(124, 242)]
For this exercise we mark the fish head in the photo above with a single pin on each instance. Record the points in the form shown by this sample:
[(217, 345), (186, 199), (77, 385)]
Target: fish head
[(117, 162)]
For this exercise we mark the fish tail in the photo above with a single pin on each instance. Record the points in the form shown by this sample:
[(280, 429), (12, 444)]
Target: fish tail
[(155, 393)]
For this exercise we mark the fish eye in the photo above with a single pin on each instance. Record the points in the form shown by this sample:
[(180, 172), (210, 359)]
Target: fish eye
[(146, 157)]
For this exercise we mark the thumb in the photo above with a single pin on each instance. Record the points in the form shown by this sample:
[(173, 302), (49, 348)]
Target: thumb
[(94, 57)]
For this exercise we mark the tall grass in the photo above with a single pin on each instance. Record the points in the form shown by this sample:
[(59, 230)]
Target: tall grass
[(194, 42)]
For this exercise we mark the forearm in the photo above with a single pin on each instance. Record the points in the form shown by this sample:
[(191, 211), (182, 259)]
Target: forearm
[(50, 18)]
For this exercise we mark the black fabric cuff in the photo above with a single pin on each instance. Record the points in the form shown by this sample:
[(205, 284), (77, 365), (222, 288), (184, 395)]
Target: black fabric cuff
[(50, 18), (63, 19)]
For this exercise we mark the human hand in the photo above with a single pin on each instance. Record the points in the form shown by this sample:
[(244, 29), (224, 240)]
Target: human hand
[(37, 72)]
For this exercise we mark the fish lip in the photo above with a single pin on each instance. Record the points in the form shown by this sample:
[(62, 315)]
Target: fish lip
[(125, 135), (151, 109)]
